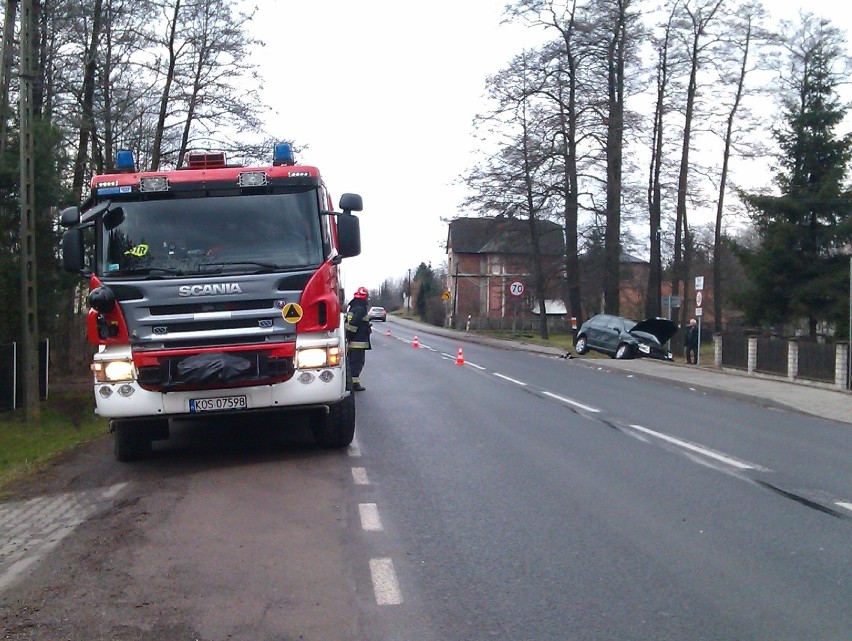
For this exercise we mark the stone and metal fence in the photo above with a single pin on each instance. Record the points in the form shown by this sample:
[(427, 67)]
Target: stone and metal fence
[(793, 358)]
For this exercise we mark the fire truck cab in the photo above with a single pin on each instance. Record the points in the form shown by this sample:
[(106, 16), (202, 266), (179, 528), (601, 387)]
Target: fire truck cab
[(214, 289)]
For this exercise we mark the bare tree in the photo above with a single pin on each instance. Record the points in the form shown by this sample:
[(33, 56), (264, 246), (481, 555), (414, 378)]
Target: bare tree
[(8, 55), (655, 273), (618, 22), (172, 51), (514, 180), (87, 124), (697, 15), (563, 63), (218, 51), (744, 31)]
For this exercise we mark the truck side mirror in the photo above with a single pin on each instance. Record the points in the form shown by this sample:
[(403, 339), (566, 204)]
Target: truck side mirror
[(72, 250), (69, 217), (350, 203), (348, 235)]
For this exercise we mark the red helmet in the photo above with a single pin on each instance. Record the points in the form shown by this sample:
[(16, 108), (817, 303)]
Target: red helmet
[(362, 292)]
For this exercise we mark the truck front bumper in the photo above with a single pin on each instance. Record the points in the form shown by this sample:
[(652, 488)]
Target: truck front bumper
[(307, 387)]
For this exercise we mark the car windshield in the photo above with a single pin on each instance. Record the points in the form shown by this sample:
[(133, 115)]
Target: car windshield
[(239, 234)]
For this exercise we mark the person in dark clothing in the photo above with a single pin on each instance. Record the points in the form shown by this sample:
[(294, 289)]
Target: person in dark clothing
[(358, 328), (691, 341)]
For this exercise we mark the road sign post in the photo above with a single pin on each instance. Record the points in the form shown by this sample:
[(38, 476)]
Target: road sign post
[(516, 289), (699, 313)]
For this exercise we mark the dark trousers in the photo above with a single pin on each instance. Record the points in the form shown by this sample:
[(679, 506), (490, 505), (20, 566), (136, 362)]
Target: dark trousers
[(692, 355), (357, 357)]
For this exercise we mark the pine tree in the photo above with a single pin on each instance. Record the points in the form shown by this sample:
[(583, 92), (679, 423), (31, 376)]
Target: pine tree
[(798, 272)]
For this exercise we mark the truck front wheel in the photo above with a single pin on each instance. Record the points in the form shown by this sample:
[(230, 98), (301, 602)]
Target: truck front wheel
[(336, 428), (131, 440)]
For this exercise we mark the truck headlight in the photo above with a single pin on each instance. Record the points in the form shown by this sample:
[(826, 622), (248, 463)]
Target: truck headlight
[(113, 371), (316, 357)]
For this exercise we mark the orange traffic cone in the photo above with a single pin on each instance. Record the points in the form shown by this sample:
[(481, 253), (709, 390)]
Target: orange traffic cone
[(415, 342), (460, 358)]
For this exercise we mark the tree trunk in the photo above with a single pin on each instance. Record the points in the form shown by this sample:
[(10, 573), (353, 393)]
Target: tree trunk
[(87, 107), (653, 304), (614, 138), (723, 179), (156, 149)]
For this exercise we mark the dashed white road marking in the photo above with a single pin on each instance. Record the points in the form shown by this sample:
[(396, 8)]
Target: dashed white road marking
[(571, 402), (480, 367), (385, 585), (370, 521), (692, 447), (359, 475), (844, 505), (511, 380)]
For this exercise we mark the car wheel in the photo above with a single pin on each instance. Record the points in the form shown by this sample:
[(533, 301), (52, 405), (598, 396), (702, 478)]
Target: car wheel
[(624, 351), (581, 346)]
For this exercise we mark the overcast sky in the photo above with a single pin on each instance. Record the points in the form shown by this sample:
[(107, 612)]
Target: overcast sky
[(383, 94)]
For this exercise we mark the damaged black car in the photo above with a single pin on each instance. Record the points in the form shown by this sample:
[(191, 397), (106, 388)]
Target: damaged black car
[(621, 337)]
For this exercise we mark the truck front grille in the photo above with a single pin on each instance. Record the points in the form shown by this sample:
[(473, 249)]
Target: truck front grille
[(257, 368)]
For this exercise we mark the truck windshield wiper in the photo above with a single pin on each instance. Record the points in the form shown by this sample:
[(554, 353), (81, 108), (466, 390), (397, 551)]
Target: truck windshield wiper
[(144, 271), (221, 266)]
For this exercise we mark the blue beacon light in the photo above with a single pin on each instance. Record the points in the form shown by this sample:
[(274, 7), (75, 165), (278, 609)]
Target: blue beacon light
[(283, 154), (124, 161)]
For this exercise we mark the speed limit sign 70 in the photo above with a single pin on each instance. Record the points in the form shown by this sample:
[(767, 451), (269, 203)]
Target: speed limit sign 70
[(516, 288)]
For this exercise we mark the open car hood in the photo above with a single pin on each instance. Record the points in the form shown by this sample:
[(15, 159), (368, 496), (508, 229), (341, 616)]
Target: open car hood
[(661, 328)]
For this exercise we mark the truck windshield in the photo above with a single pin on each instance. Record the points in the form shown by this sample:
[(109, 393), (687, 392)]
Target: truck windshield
[(238, 234)]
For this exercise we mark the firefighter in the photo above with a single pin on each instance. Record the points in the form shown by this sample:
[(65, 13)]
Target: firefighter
[(358, 329)]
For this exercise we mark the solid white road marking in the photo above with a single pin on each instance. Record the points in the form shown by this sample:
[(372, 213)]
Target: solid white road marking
[(569, 401), (370, 521), (385, 585), (359, 475), (511, 380), (723, 458), (844, 504)]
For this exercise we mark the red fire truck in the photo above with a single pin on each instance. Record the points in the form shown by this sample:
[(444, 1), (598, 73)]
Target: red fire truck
[(214, 289)]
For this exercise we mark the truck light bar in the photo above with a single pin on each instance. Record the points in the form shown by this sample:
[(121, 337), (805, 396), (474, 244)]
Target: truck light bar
[(205, 160), (252, 179), (154, 183), (124, 162), (283, 154)]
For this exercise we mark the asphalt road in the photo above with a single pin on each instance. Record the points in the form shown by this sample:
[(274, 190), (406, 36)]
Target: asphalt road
[(514, 497)]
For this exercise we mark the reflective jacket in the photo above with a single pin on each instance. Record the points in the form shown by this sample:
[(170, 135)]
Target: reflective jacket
[(358, 326)]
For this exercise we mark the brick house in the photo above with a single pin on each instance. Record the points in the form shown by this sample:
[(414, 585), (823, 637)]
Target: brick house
[(486, 255)]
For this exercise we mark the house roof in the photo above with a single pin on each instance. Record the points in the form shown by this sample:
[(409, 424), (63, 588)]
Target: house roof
[(502, 235)]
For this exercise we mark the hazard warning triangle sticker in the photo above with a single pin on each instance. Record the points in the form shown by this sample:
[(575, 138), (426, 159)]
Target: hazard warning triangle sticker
[(292, 312)]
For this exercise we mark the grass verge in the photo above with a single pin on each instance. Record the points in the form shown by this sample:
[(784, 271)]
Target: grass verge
[(67, 420)]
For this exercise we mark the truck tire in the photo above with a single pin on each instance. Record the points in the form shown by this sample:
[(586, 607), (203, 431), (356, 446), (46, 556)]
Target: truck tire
[(131, 440), (336, 428)]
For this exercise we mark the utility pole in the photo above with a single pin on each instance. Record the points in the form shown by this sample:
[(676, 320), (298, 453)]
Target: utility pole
[(29, 304), (408, 297)]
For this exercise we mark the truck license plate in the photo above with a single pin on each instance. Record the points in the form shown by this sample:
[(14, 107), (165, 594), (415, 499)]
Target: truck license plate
[(217, 404)]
